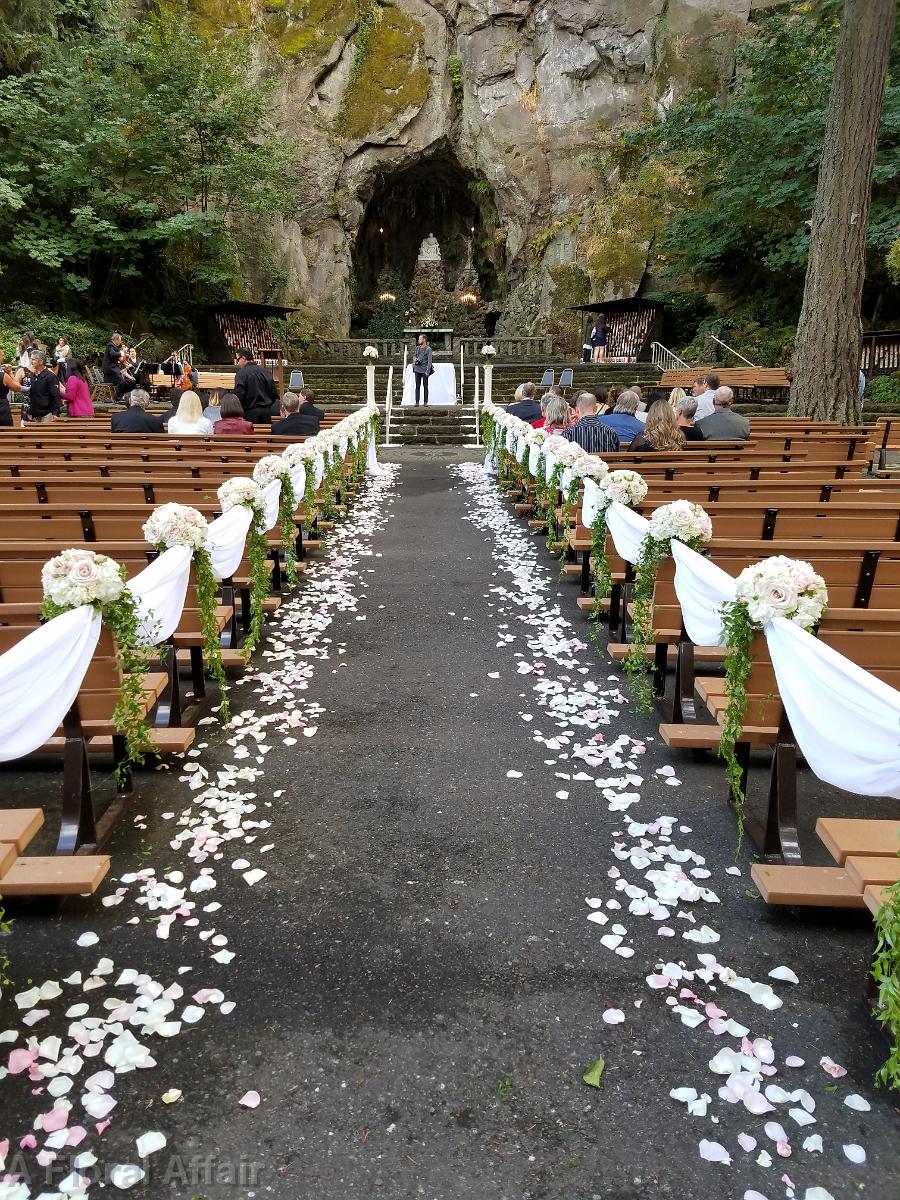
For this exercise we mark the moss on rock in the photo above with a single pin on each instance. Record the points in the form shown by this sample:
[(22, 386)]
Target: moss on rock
[(390, 77), (306, 28), (212, 16)]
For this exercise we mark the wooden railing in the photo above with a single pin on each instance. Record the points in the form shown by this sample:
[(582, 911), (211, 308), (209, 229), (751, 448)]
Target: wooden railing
[(881, 352)]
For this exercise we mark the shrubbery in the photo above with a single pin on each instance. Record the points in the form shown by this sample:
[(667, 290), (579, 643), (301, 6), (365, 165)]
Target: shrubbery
[(883, 392), (86, 339)]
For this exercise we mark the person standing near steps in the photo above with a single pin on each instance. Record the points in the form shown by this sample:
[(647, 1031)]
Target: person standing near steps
[(423, 366)]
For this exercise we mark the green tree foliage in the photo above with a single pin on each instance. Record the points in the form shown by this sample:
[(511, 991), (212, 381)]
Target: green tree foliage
[(751, 158), (140, 163)]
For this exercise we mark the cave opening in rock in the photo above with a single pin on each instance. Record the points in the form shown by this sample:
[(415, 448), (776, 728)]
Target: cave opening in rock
[(433, 194)]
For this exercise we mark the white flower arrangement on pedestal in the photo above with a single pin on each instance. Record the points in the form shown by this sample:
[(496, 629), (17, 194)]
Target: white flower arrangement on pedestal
[(77, 577), (776, 587), (176, 525), (370, 352), (681, 521), (488, 351)]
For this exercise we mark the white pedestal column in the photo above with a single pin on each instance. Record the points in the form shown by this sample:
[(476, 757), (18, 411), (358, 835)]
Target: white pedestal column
[(488, 381), (370, 382)]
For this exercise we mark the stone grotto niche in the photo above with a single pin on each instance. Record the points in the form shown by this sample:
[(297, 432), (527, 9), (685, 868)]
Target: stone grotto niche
[(429, 196)]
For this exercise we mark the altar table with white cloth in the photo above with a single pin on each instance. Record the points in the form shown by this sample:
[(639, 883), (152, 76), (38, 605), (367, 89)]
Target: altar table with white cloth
[(441, 385)]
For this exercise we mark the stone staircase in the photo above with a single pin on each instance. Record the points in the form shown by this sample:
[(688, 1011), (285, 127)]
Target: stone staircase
[(433, 426)]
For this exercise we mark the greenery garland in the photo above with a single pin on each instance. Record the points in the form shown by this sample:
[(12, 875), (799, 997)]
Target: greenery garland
[(886, 973), (739, 632), (309, 491), (207, 596), (652, 553), (129, 716), (570, 495), (541, 502), (333, 470), (552, 490), (600, 573), (258, 553), (287, 503)]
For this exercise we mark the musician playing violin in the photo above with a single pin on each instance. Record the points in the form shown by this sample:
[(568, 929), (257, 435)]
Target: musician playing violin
[(115, 361)]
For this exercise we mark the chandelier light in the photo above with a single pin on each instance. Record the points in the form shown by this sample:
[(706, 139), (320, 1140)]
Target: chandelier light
[(468, 298), (387, 297)]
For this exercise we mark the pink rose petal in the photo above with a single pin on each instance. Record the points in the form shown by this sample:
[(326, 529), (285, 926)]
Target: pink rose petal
[(250, 1100)]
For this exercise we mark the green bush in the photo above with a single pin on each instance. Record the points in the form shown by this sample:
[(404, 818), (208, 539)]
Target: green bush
[(764, 344), (86, 339), (884, 391), (683, 315)]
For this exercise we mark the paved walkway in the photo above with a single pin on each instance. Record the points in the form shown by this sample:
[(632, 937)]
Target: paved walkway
[(417, 987)]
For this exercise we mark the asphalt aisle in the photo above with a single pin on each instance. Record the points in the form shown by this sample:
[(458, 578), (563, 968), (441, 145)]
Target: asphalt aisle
[(418, 990)]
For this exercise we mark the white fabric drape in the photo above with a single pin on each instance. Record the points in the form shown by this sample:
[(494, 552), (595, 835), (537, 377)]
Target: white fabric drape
[(566, 480), (591, 506), (511, 442), (226, 538), (271, 495), (159, 591), (702, 588), (534, 454), (489, 467), (522, 448), (845, 720), (372, 467), (319, 470), (627, 530), (298, 481), (40, 678), (551, 462), (343, 443)]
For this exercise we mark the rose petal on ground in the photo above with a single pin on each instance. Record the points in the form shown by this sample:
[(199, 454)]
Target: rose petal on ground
[(714, 1152), (250, 1100), (785, 974), (857, 1103), (835, 1070), (125, 1175), (171, 1096), (150, 1143), (614, 1016), (87, 939), (855, 1153)]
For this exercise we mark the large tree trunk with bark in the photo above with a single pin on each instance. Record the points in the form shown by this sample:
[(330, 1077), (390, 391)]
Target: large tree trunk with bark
[(829, 335)]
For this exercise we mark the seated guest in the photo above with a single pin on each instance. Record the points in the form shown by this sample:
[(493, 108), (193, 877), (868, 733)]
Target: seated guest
[(44, 401), (612, 396), (189, 419), (684, 415), (78, 393), (705, 389), (622, 419), (213, 410), (232, 417), (302, 418), (133, 419), (676, 396), (602, 395), (589, 431), (528, 408), (517, 394), (558, 415), (634, 387), (661, 431), (723, 422), (542, 419)]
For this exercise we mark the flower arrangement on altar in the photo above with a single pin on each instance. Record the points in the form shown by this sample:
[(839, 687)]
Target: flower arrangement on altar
[(682, 521), (370, 352), (77, 577), (776, 587)]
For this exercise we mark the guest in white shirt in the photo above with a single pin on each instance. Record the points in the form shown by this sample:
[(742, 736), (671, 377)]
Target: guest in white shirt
[(705, 390), (189, 418)]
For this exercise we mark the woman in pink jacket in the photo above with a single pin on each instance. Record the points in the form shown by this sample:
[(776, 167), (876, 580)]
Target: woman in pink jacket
[(78, 393)]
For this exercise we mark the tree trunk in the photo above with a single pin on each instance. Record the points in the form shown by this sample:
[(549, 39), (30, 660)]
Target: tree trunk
[(829, 334)]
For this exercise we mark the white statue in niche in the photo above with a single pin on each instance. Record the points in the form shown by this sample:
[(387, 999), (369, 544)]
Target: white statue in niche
[(430, 250)]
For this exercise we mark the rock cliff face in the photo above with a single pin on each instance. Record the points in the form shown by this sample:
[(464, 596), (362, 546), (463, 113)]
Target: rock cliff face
[(515, 91)]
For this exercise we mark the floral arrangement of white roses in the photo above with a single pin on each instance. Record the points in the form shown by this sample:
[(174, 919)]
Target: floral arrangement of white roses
[(370, 352), (776, 587)]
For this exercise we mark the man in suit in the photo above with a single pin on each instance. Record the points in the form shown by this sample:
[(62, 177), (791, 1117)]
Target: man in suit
[(528, 408), (43, 398), (113, 371), (302, 418), (724, 424), (134, 419), (254, 388)]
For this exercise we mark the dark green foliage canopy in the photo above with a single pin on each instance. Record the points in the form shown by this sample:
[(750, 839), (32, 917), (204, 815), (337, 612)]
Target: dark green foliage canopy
[(139, 160)]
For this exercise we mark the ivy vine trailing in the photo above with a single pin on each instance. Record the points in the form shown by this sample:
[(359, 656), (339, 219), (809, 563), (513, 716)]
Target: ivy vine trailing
[(258, 554), (600, 573), (553, 485), (207, 598), (738, 631), (287, 503), (886, 973), (78, 577), (653, 552)]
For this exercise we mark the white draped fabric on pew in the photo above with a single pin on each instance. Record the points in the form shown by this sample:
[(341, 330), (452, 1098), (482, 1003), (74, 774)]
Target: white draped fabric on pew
[(511, 441), (522, 447), (318, 470), (489, 467), (372, 467), (226, 538), (271, 495), (534, 454), (40, 678), (159, 592), (298, 481), (551, 462), (845, 720), (627, 530), (591, 506), (702, 588)]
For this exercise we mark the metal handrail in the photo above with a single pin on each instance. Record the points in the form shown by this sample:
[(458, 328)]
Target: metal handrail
[(663, 357), (725, 346)]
